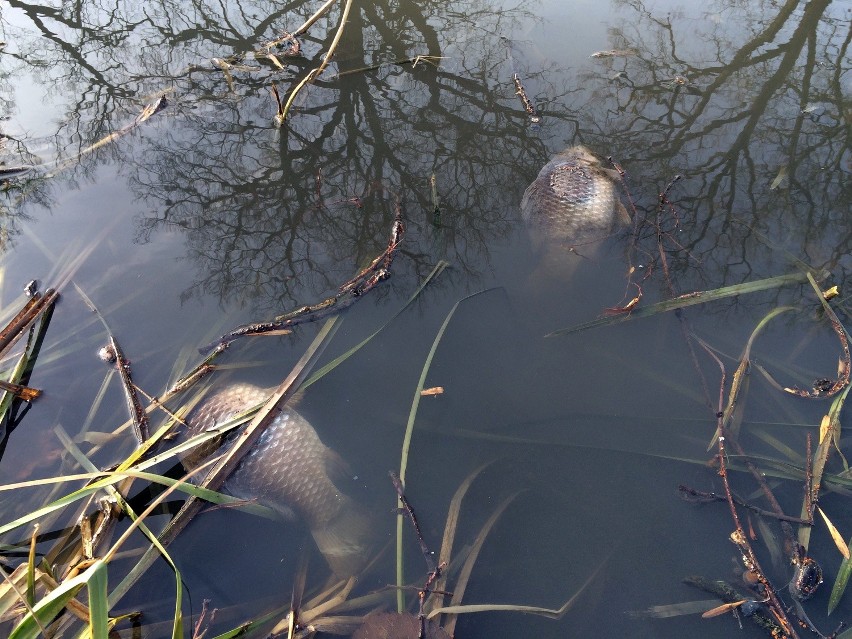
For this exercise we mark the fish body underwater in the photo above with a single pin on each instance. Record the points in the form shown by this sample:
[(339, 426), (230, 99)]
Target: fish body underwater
[(288, 470), (574, 200)]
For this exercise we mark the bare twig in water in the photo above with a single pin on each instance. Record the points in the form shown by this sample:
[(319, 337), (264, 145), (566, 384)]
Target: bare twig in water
[(279, 114), (147, 111), (314, 74), (521, 92), (728, 594), (316, 16), (828, 387), (20, 391), (203, 624), (691, 494), (739, 537), (122, 364), (427, 554), (198, 374), (434, 60), (26, 317), (810, 495), (434, 571), (134, 406), (436, 201), (366, 280), (33, 320)]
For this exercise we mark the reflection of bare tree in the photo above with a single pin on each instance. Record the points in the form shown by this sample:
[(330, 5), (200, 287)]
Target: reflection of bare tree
[(269, 217), (761, 131), (263, 209)]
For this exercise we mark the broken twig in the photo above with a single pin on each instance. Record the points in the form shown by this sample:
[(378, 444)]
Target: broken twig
[(366, 280)]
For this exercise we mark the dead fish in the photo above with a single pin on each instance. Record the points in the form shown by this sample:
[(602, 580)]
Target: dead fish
[(613, 53), (574, 199), (288, 470)]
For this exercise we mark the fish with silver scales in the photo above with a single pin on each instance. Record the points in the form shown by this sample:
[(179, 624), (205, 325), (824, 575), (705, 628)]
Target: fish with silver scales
[(288, 470), (574, 199), (569, 209)]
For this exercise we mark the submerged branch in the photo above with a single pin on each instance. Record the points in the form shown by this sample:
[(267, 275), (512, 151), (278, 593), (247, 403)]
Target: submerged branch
[(727, 593), (147, 111), (134, 406), (827, 387), (691, 494), (20, 391), (366, 280), (739, 537), (26, 317), (434, 571), (427, 554), (114, 353), (528, 105)]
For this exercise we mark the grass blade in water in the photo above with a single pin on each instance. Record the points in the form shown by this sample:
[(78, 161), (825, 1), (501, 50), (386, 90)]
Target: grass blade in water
[(828, 438), (225, 465), (840, 583), (835, 535), (689, 299), (406, 445), (31, 568), (436, 601), (464, 575), (98, 608), (740, 379), (535, 610), (46, 609)]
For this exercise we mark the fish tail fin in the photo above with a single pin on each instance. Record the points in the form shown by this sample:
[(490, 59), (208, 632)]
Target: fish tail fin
[(346, 541)]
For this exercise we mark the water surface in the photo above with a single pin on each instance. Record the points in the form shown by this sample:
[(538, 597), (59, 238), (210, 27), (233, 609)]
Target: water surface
[(207, 216)]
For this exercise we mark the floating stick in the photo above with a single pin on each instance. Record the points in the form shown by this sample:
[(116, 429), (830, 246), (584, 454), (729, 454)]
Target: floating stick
[(366, 280)]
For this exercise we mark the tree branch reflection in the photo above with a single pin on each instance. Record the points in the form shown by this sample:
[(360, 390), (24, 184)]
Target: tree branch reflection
[(751, 95), (746, 121)]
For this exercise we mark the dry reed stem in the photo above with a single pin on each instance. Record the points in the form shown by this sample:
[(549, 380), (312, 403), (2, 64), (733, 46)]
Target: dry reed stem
[(313, 75)]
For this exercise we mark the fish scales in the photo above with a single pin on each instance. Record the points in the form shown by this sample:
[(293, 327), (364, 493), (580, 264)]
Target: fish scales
[(287, 470), (574, 198)]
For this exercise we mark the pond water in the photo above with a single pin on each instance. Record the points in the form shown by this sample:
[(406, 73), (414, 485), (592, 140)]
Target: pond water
[(206, 216)]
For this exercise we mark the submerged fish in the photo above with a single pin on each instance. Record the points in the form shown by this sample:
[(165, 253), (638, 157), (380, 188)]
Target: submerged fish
[(574, 199), (288, 470)]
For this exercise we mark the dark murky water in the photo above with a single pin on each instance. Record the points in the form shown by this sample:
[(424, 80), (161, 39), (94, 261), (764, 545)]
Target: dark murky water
[(207, 216)]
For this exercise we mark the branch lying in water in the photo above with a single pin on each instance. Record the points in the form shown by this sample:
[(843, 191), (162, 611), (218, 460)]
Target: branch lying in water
[(739, 537), (366, 280)]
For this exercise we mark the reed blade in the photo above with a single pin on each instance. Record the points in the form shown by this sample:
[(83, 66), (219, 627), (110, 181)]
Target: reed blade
[(688, 299)]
